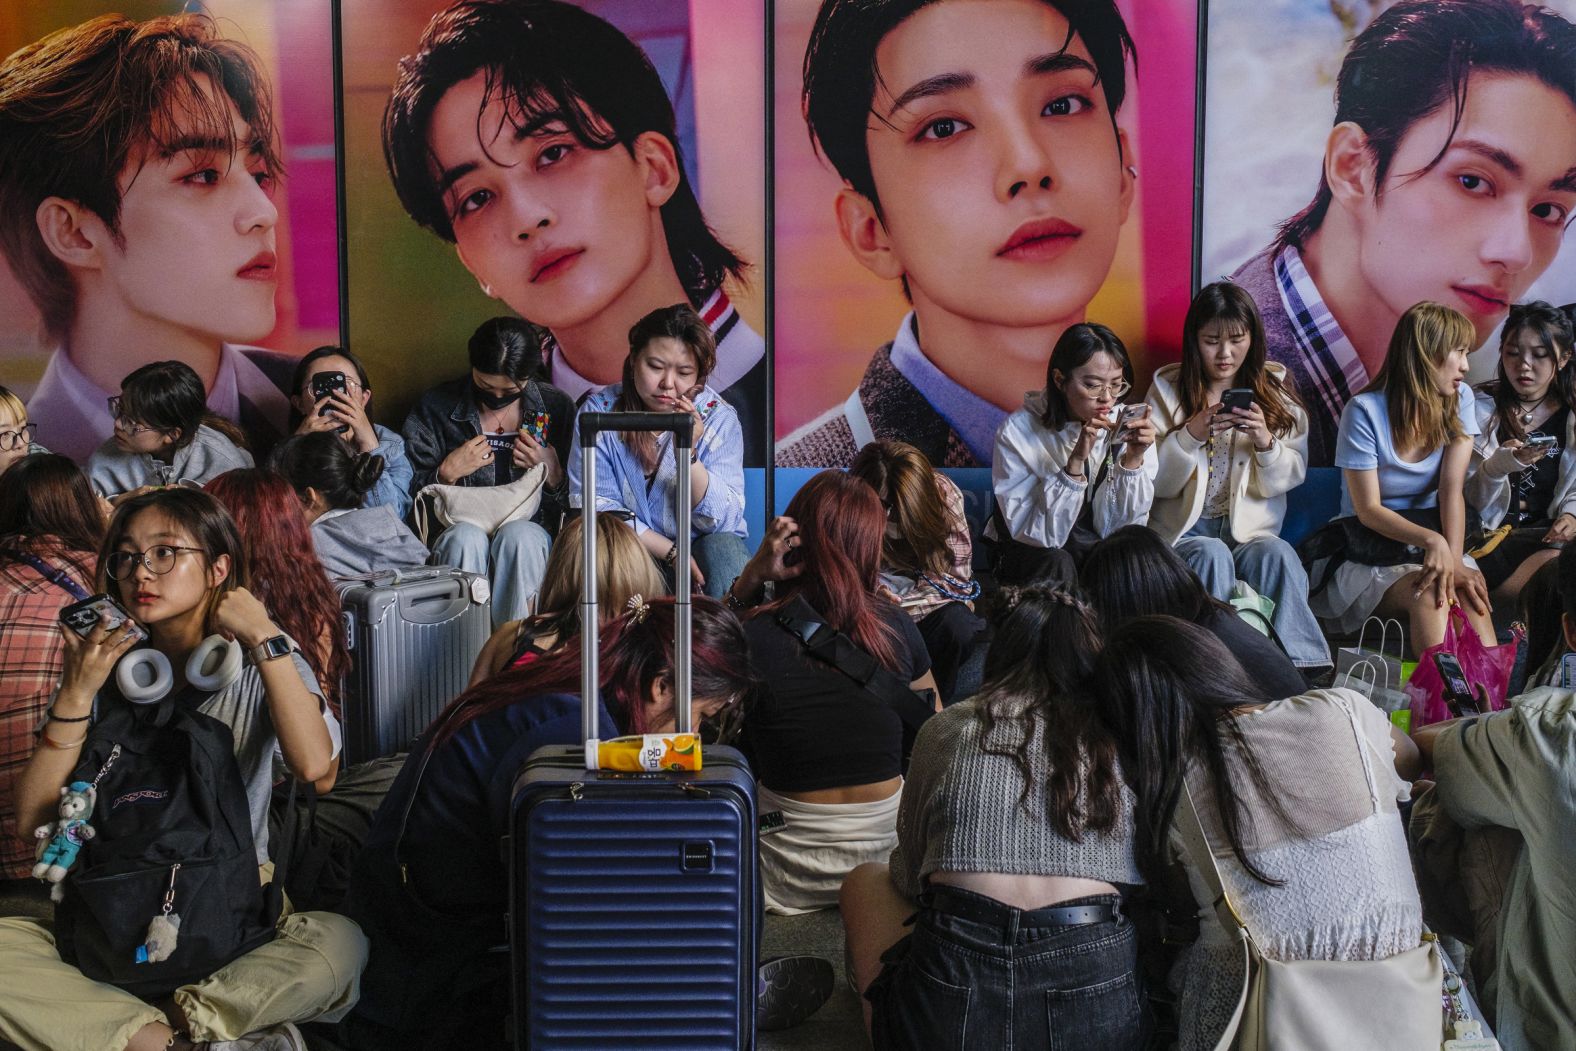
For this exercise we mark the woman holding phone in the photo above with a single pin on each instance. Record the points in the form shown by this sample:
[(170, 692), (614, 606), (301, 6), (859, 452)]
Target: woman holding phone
[(1522, 479), (671, 352), (1235, 442), (331, 391), (1071, 467)]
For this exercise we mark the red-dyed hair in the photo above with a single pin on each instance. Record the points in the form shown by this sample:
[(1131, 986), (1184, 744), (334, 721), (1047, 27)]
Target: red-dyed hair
[(841, 524), (286, 575), (634, 654)]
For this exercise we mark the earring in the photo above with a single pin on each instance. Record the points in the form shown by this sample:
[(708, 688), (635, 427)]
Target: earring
[(1132, 170), (487, 290)]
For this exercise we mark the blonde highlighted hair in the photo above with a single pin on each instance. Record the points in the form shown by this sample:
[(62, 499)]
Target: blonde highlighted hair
[(11, 406), (1420, 416), (623, 569)]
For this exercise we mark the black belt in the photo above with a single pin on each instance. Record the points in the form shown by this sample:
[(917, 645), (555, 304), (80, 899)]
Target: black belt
[(979, 909)]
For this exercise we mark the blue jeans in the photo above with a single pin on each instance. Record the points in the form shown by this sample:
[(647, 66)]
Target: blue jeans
[(721, 557), (1003, 984), (514, 561), (1269, 566)]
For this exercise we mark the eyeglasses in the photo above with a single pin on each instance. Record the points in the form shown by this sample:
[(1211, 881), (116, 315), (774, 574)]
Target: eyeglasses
[(160, 559), (124, 422), (20, 438), (1114, 389)]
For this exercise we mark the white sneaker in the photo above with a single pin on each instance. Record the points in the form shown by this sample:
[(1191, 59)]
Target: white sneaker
[(282, 1037)]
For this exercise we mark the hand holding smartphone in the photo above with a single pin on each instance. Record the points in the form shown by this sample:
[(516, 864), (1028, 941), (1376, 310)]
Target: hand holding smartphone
[(1457, 688), (85, 616), (1131, 414), (324, 384)]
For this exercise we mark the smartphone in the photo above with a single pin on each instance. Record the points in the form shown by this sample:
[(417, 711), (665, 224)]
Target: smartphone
[(1542, 441), (537, 428), (326, 383), (82, 617), (1130, 415), (1567, 678), (1458, 691), (1236, 398)]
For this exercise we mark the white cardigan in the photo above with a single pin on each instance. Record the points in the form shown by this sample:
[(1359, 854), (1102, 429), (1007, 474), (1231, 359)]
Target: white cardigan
[(1490, 493), (1259, 480), (1039, 503)]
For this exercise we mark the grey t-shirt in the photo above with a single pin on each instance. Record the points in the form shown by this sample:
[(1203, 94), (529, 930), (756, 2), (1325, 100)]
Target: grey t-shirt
[(243, 707)]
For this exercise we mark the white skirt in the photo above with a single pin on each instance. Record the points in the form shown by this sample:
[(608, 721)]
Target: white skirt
[(1355, 591), (806, 854)]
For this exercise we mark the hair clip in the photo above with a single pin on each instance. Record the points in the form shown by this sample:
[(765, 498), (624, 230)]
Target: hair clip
[(638, 608)]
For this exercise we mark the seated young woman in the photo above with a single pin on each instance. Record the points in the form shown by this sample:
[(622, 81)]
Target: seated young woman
[(332, 485), (344, 412), (1404, 445), (285, 576), (1297, 797), (671, 352), (1015, 840), (1066, 470), (173, 558), (927, 558), (487, 428), (1220, 492), (1522, 477), (1133, 573), (431, 889), (828, 752), (50, 530), (624, 570), (164, 433)]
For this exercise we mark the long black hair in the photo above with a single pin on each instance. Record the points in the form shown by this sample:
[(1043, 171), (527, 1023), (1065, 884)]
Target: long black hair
[(509, 346), (1043, 651), (169, 396), (1134, 573), (1168, 690)]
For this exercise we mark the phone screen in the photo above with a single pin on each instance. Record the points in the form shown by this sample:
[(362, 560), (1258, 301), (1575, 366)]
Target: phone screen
[(83, 617), (1458, 690)]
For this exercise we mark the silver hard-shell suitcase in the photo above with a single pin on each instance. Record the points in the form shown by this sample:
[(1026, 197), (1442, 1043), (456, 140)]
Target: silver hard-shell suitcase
[(413, 637)]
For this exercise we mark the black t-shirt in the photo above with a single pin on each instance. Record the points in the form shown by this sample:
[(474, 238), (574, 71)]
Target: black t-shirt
[(813, 727), (1264, 661)]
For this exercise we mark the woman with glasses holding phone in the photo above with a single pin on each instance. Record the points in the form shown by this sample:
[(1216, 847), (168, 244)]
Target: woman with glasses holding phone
[(164, 434), (1074, 464), (1522, 478), (174, 560), (331, 392)]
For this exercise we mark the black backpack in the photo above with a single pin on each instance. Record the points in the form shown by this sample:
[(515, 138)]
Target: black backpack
[(172, 827)]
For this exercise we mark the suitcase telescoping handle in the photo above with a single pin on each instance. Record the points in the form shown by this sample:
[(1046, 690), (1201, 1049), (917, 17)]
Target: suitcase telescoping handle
[(682, 426)]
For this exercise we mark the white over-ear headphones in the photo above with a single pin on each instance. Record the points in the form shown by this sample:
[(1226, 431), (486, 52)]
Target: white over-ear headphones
[(145, 676)]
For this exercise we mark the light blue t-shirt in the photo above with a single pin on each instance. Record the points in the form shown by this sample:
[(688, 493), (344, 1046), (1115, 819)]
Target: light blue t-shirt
[(1365, 443)]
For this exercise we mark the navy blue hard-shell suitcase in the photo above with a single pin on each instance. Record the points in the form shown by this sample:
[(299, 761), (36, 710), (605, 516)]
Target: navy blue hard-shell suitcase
[(634, 898)]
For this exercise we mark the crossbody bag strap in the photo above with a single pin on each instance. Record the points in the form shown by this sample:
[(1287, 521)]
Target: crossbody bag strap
[(832, 647), (1197, 845)]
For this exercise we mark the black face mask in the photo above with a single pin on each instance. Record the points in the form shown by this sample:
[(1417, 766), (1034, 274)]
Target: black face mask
[(494, 401)]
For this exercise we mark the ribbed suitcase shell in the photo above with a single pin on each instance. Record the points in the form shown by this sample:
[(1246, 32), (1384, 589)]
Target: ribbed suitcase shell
[(412, 644), (617, 944)]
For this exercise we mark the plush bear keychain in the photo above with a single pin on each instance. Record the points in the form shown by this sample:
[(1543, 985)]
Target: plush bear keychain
[(163, 930), (65, 835)]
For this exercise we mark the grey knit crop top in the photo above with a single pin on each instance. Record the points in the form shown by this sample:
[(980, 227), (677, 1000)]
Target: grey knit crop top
[(961, 812)]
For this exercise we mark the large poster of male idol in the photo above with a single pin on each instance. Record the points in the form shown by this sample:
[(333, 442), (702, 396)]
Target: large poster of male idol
[(191, 220), (1360, 158), (955, 187), (611, 164)]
